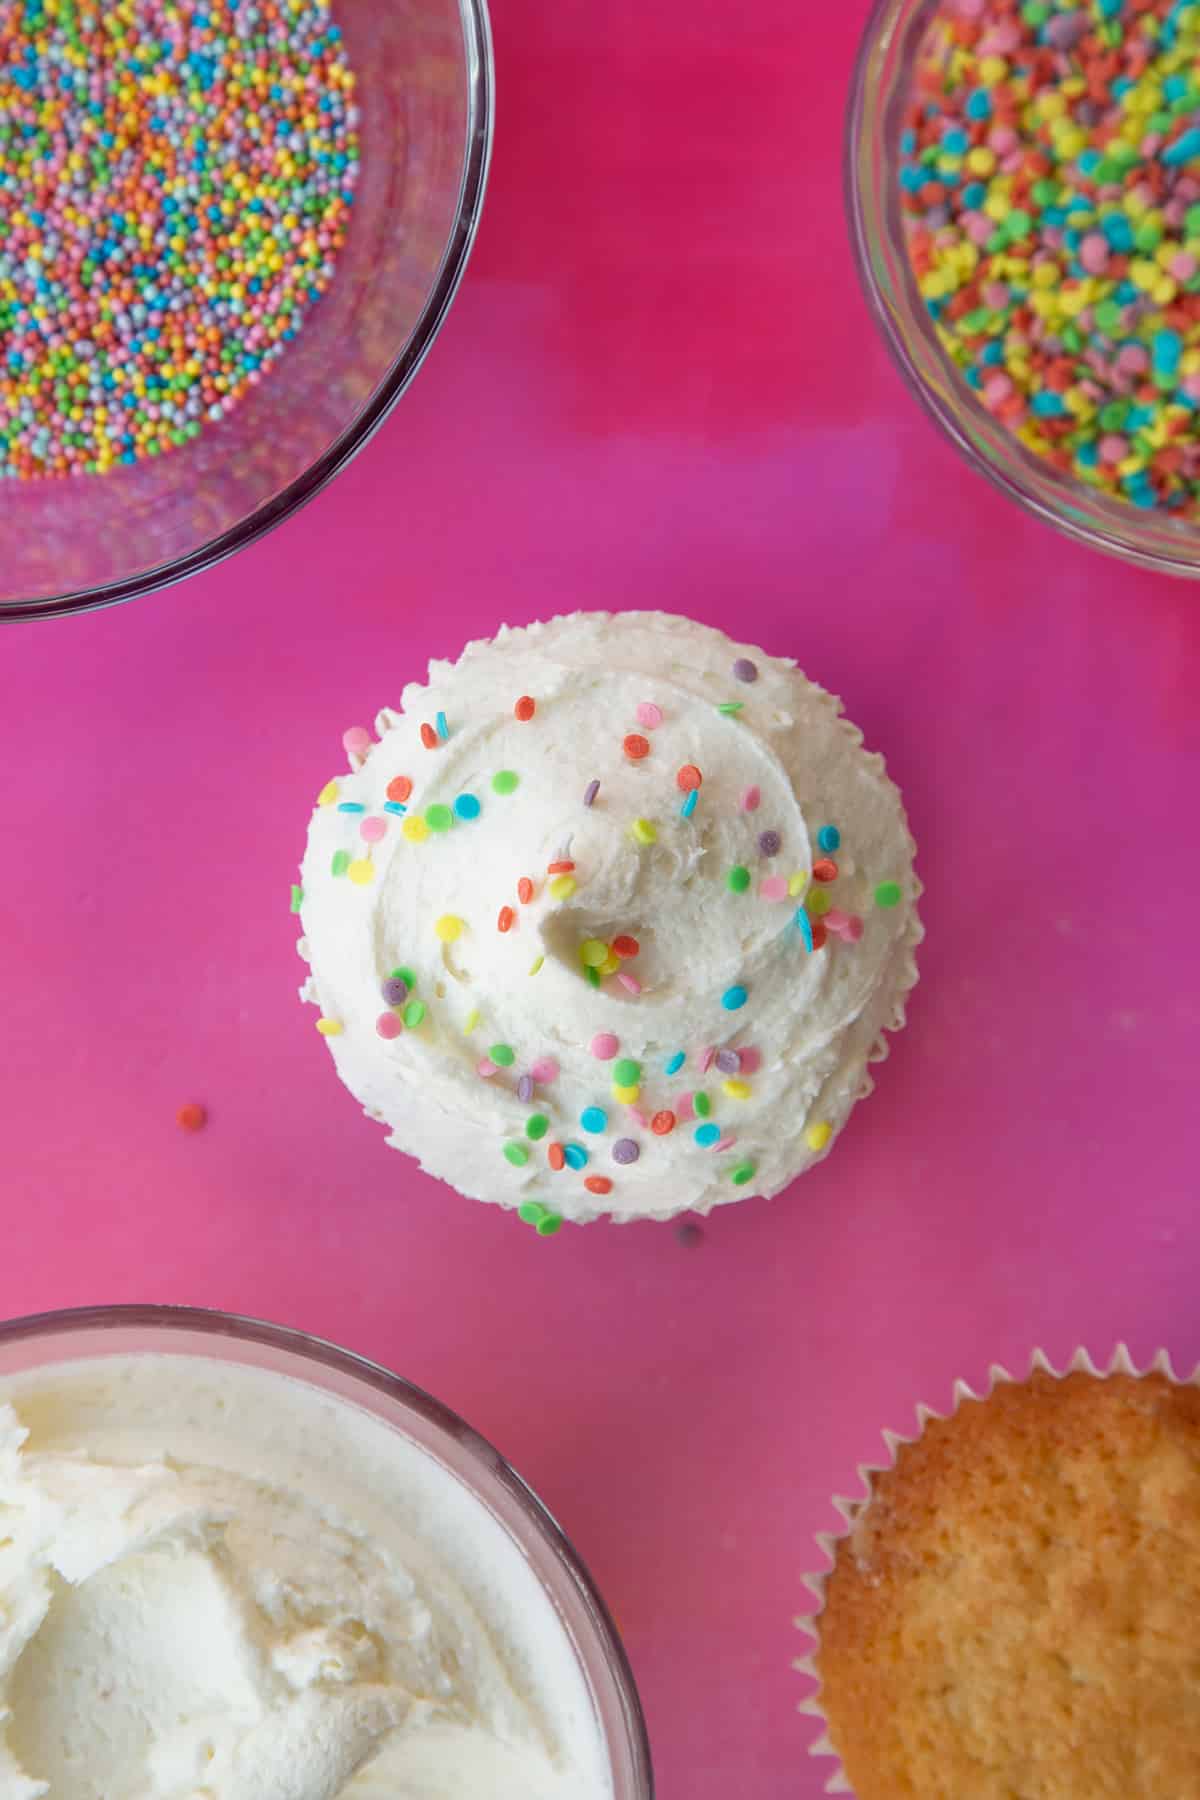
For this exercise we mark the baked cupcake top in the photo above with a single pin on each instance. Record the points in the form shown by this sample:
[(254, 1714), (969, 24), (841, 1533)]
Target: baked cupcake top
[(1016, 1609), (609, 918)]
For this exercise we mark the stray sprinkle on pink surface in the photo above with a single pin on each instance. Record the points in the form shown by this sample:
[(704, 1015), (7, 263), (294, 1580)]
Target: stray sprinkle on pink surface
[(356, 741)]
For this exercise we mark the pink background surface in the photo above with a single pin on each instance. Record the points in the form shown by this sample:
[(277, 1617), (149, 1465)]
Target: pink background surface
[(658, 386)]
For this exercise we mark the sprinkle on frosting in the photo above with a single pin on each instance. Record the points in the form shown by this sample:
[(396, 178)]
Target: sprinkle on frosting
[(636, 746), (745, 670), (738, 879), (590, 792), (525, 708)]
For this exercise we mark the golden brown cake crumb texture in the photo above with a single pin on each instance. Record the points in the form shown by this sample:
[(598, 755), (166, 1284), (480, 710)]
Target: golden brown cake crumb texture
[(1016, 1612)]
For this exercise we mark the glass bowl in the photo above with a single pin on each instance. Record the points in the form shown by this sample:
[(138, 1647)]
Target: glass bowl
[(879, 91), (426, 102), (106, 1331)]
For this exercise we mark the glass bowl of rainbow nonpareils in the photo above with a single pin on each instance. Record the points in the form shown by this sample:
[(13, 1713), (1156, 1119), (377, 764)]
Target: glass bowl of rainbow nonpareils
[(1023, 183), (229, 233)]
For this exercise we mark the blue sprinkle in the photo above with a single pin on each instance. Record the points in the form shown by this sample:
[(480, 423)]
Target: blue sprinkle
[(1048, 404), (593, 1118), (955, 142), (467, 806), (350, 806), (676, 1062), (1167, 349), (575, 1156), (979, 105), (829, 837), (394, 806), (443, 730), (734, 997), (805, 924), (689, 805), (706, 1135), (1183, 149)]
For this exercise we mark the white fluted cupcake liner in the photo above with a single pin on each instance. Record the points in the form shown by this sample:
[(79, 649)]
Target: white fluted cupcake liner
[(850, 1509)]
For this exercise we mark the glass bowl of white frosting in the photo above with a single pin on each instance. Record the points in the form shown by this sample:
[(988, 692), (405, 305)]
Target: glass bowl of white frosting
[(239, 1561)]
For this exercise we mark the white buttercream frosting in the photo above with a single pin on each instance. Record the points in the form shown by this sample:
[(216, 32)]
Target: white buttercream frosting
[(710, 897), (219, 1584)]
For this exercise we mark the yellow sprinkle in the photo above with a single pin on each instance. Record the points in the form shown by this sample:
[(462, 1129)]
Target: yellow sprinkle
[(415, 829), (626, 1095), (817, 1136), (592, 952), (981, 161), (611, 963), (361, 871), (472, 1021), (328, 794), (737, 1090), (797, 884), (562, 887), (329, 1028), (448, 928), (644, 831), (536, 964), (818, 902)]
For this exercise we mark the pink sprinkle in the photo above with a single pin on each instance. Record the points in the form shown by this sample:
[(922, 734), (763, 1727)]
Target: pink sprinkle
[(995, 294), (774, 887), (750, 1060), (1132, 359), (707, 1057), (629, 981), (751, 800), (1002, 139), (371, 830), (1113, 447), (389, 1025), (683, 1108), (725, 1143), (854, 929), (996, 389), (356, 741), (978, 226), (604, 1047), (836, 920), (639, 1117), (1093, 253), (1183, 266), (1191, 386), (545, 1070), (485, 1067), (648, 714)]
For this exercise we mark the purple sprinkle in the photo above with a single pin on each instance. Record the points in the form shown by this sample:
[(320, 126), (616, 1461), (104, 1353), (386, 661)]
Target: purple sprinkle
[(625, 1151), (395, 991), (728, 1061), (745, 670), (525, 1088), (590, 792), (1065, 31), (769, 843)]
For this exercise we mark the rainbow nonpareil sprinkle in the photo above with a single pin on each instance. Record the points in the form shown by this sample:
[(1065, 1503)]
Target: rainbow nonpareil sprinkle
[(176, 178), (1050, 179)]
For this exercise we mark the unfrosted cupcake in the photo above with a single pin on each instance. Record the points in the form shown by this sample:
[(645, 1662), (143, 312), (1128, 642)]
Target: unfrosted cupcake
[(1015, 1608), (609, 918)]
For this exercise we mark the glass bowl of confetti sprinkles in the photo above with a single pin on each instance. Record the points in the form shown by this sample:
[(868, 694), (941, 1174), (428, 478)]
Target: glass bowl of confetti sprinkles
[(1023, 184), (229, 232)]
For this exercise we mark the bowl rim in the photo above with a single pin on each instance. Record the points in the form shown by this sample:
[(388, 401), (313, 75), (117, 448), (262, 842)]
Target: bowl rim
[(481, 117), (308, 1347), (1110, 542)]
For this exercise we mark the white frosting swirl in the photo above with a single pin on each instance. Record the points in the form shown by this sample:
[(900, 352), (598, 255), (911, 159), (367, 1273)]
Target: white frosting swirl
[(811, 1020)]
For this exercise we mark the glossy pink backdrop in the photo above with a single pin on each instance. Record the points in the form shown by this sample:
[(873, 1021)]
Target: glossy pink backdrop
[(658, 386)]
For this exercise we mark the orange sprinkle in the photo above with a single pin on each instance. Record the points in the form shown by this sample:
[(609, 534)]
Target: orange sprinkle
[(525, 707), (662, 1122), (825, 869), (555, 1156), (559, 868), (688, 777), (636, 746), (625, 945), (504, 921), (598, 1184), (429, 737), (399, 788), (524, 890), (191, 1117)]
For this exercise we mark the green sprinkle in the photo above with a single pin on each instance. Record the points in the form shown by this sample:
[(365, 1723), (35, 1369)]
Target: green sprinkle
[(414, 1014), (738, 879), (531, 1212), (407, 976), (742, 1174), (439, 818), (550, 1225), (727, 708), (503, 1055), (701, 1105), (536, 964), (297, 898), (887, 893), (517, 1155), (505, 782), (536, 1126), (593, 975), (340, 863)]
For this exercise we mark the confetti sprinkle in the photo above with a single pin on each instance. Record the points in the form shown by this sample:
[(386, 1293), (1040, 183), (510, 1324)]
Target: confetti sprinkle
[(191, 1117), (415, 829), (675, 1063), (405, 974), (707, 1135), (329, 1028), (737, 1089), (645, 831), (544, 1222), (561, 866), (503, 1055), (734, 997), (505, 781), (297, 898), (797, 883), (626, 1095), (399, 788), (394, 807), (429, 737), (597, 1184), (594, 1119), (817, 1136), (449, 927), (351, 806), (517, 1155), (625, 1151), (769, 843), (818, 934), (545, 1070), (388, 1025), (745, 670), (688, 778), (340, 862), (626, 1072), (356, 741), (576, 1156), (730, 708), (738, 879), (604, 1046), (562, 887), (505, 919), (486, 1068), (825, 870), (538, 963), (818, 903), (829, 838), (556, 1156), (648, 714), (625, 946), (443, 729), (524, 890), (635, 746), (439, 818), (689, 805), (701, 1104), (525, 708), (593, 952), (684, 1108), (751, 800), (372, 830), (744, 1172), (590, 792), (662, 1123), (773, 887), (707, 1058), (414, 1014), (471, 1021), (395, 990), (525, 1088), (728, 1062), (536, 1126), (750, 1060), (629, 982), (467, 807), (887, 894), (361, 871)]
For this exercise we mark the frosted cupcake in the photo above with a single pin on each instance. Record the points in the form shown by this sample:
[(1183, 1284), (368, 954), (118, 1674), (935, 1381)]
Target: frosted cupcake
[(609, 918), (1015, 1609)]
